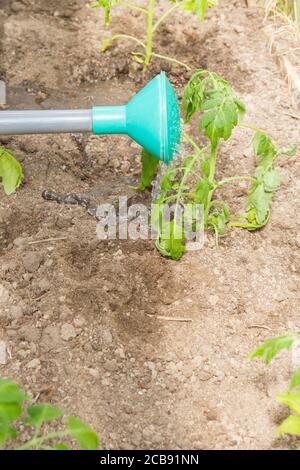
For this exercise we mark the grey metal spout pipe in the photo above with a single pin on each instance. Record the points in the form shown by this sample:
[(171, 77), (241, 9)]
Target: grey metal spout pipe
[(45, 121)]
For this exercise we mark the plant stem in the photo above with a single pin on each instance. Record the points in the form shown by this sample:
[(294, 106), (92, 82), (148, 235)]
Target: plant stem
[(187, 170), (170, 59), (125, 36), (165, 15), (235, 178), (149, 33), (211, 179), (190, 141), (35, 441), (186, 174), (133, 7)]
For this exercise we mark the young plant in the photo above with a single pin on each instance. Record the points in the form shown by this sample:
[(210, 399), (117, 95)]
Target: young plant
[(193, 182), (37, 417), (10, 171), (267, 352), (152, 23)]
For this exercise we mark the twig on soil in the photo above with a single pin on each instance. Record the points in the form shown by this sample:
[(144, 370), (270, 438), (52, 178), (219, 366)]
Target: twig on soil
[(264, 327), (34, 242), (294, 116), (161, 317)]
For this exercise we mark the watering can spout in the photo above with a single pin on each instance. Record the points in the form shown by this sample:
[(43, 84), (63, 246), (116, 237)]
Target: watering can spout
[(151, 118)]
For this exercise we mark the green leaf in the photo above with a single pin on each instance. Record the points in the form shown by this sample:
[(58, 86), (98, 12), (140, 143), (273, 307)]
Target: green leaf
[(222, 119), (10, 392), (11, 399), (289, 151), (260, 201), (295, 381), (205, 166), (198, 7), (170, 242), (202, 190), (61, 446), (290, 399), (271, 180), (219, 217), (106, 5), (38, 414), (290, 425), (268, 350), (6, 432), (193, 95), (209, 94), (84, 435), (10, 411), (149, 169), (10, 171), (240, 107), (262, 144)]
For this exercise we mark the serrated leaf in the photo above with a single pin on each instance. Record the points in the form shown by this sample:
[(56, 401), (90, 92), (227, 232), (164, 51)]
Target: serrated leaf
[(149, 169), (268, 350), (84, 435), (290, 399), (263, 145), (290, 425), (271, 180), (209, 94), (10, 171), (295, 380), (38, 414)]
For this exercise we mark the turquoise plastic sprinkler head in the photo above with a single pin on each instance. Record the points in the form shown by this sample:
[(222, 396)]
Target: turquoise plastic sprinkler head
[(151, 118)]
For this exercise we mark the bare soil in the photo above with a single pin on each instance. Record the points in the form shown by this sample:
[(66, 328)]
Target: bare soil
[(79, 315)]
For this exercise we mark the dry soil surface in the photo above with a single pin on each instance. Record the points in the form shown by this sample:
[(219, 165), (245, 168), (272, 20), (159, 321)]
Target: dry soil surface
[(79, 316)]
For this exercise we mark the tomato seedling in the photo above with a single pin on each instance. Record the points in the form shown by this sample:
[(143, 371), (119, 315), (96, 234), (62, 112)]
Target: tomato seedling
[(152, 23), (37, 416), (267, 352), (192, 181)]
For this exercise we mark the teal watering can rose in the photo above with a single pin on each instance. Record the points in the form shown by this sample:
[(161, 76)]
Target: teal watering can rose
[(151, 118)]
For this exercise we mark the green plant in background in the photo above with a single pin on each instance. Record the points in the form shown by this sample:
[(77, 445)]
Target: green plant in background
[(152, 23), (193, 182), (267, 352), (10, 171), (37, 417)]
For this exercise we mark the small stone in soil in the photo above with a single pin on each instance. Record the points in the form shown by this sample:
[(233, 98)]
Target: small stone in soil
[(16, 7), (3, 354), (32, 261), (41, 286), (29, 333), (4, 295), (67, 332), (34, 364)]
